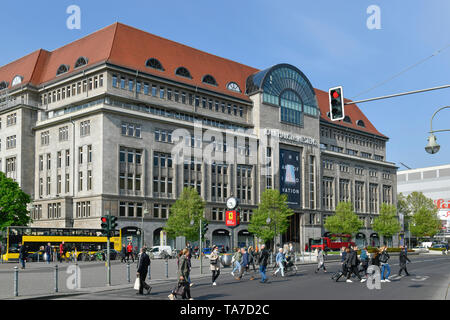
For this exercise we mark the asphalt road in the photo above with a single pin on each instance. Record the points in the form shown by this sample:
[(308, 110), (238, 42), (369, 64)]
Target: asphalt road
[(429, 279)]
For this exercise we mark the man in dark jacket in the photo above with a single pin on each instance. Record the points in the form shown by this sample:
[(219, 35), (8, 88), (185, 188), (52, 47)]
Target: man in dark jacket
[(144, 262), (244, 263), (123, 253), (48, 251), (403, 258), (22, 255), (352, 264), (262, 261)]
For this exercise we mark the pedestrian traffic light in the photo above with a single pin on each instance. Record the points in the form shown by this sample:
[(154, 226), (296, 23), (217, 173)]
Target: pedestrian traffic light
[(104, 225), (336, 103)]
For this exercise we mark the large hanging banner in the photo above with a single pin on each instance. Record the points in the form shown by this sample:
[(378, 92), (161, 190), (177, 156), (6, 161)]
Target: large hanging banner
[(290, 176)]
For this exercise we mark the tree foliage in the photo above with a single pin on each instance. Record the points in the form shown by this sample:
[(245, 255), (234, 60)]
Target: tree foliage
[(387, 223), (273, 205), (13, 203), (421, 213), (189, 207), (425, 223), (345, 221)]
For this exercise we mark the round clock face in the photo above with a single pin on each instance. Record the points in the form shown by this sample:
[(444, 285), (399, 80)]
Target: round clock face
[(231, 203)]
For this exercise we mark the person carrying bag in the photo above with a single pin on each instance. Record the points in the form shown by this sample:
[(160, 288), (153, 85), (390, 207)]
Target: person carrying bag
[(214, 264)]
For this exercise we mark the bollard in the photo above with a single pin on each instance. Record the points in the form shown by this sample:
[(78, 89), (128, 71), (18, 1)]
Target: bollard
[(56, 278), (167, 268), (16, 281), (128, 272)]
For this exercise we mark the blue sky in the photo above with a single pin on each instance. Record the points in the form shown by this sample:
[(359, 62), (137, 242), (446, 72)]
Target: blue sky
[(328, 40)]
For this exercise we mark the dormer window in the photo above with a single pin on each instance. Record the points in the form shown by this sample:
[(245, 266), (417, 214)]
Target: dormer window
[(3, 85), (360, 123), (233, 86), (154, 63), (62, 69), (183, 72), (81, 61), (209, 80), (17, 80), (347, 119)]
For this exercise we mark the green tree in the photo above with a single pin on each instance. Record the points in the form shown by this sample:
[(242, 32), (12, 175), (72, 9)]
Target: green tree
[(13, 203), (189, 207), (420, 212), (425, 223), (345, 221), (273, 205), (387, 223)]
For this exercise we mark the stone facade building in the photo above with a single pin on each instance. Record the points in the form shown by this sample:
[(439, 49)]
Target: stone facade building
[(121, 121)]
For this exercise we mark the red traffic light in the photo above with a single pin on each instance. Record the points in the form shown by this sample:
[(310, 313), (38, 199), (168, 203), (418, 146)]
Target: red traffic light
[(335, 94), (104, 220)]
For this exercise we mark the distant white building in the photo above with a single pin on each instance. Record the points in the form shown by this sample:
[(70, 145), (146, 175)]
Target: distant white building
[(434, 183)]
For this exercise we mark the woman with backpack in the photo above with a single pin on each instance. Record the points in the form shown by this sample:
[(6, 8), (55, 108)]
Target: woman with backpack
[(214, 262), (364, 257), (385, 268)]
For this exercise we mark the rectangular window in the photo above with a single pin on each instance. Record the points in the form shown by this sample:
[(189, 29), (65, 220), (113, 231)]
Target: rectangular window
[(80, 155), (89, 180), (89, 148), (67, 157), (80, 181), (67, 187)]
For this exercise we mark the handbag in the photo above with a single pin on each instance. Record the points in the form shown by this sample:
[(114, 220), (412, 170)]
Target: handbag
[(180, 288), (214, 262), (137, 283)]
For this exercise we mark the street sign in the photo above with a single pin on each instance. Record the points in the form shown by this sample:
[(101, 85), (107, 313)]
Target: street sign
[(232, 218)]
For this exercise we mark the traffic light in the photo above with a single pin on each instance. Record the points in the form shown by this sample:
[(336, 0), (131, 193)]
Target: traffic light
[(113, 223), (105, 222), (204, 228), (336, 98)]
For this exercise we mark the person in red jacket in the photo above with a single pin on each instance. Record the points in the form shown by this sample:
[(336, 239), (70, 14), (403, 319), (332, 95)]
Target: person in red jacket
[(130, 252)]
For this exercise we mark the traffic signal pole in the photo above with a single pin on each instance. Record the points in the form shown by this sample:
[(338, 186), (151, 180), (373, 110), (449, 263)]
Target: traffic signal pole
[(108, 262), (398, 94)]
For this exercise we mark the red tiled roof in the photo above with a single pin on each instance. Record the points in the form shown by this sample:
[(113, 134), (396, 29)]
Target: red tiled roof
[(126, 46)]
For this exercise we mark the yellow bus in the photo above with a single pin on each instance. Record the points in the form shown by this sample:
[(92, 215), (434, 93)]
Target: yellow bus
[(85, 241)]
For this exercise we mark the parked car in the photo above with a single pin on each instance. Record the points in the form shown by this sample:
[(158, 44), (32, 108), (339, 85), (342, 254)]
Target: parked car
[(160, 252), (438, 245)]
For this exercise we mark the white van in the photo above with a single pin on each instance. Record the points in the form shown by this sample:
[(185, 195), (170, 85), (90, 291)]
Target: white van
[(160, 252)]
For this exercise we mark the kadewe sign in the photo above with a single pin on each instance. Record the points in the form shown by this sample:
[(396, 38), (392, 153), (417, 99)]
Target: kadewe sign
[(232, 218)]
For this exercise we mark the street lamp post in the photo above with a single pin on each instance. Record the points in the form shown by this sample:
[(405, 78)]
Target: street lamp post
[(142, 225), (432, 147)]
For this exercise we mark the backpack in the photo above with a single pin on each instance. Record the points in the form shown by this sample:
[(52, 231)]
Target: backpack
[(383, 258)]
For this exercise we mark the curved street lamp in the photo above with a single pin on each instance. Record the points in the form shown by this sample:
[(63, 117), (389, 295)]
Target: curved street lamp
[(433, 147)]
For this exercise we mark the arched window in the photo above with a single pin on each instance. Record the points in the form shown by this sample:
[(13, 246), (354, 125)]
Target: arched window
[(291, 107), (209, 79), (347, 119), (183, 72), (154, 63), (17, 80), (3, 85), (360, 123), (81, 61), (285, 86), (233, 86), (62, 69)]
